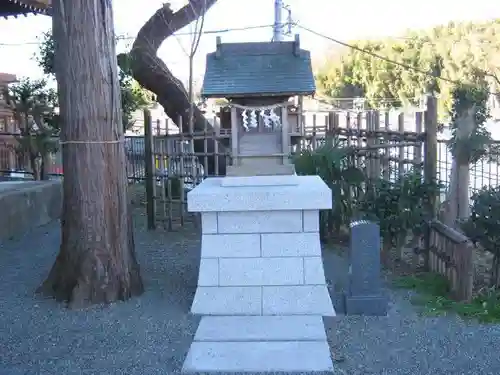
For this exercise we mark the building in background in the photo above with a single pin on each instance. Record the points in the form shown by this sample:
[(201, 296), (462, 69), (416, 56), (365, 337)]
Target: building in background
[(8, 126)]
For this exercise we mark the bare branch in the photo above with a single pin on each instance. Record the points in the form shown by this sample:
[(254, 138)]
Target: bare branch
[(154, 31), (152, 73)]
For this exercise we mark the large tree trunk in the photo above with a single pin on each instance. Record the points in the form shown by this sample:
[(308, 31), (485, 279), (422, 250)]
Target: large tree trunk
[(152, 73), (96, 262)]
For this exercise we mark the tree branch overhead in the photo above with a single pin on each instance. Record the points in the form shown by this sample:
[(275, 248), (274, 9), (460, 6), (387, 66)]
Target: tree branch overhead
[(153, 74)]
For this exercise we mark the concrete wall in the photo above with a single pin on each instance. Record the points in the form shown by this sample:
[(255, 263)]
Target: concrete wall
[(28, 204)]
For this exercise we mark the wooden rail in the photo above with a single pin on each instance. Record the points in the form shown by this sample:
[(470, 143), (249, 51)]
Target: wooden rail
[(450, 254)]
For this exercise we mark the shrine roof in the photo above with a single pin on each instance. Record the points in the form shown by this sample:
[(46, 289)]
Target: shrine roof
[(15, 8), (258, 69)]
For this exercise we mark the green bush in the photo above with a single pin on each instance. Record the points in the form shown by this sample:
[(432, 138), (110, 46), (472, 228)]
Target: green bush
[(434, 295), (335, 165), (483, 226), (400, 207)]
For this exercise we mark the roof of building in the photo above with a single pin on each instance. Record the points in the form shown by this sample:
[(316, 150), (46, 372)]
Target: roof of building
[(258, 69), (15, 8), (6, 78)]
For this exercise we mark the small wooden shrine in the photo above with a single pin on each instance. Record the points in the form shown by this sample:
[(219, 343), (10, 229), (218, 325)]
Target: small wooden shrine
[(15, 8), (258, 79)]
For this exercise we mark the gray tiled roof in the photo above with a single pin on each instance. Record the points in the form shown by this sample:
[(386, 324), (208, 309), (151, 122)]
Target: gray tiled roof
[(256, 69)]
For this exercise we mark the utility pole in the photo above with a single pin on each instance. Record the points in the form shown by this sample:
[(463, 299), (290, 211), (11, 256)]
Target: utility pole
[(278, 23)]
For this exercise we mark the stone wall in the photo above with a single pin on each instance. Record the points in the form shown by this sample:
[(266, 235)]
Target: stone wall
[(28, 204)]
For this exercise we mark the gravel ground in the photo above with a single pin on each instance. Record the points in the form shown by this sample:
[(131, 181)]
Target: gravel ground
[(151, 334)]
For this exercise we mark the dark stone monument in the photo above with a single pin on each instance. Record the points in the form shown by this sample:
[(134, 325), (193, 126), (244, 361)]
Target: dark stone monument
[(364, 295)]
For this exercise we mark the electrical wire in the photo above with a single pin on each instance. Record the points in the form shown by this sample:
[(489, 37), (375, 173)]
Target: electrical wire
[(123, 37)]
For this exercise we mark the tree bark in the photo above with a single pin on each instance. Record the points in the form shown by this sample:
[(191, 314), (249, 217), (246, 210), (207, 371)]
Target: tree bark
[(152, 73), (458, 196), (96, 262)]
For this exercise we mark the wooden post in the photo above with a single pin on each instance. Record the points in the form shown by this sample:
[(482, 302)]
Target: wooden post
[(370, 162), (464, 268), (377, 160), (300, 115), (401, 130), (430, 162), (385, 161), (234, 137), (285, 135), (418, 149), (330, 131), (149, 169)]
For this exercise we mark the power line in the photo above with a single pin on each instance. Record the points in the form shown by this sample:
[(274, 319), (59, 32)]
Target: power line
[(123, 37)]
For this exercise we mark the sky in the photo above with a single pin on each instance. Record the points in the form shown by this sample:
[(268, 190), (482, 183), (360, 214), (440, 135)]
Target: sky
[(344, 20)]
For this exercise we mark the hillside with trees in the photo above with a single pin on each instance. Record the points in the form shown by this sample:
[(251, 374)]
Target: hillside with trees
[(465, 52)]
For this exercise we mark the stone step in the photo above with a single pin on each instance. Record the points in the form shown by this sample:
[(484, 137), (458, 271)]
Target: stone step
[(261, 328), (263, 300), (258, 356)]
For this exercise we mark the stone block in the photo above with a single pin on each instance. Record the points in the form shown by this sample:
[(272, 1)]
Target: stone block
[(239, 300), (261, 328), (311, 193), (209, 272), (364, 259), (260, 271), (313, 271), (230, 245), (208, 222), (258, 357), (26, 205), (311, 220), (297, 300), (364, 295), (260, 222), (290, 244)]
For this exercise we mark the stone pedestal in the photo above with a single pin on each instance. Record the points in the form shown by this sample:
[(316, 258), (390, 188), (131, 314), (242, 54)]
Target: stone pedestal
[(261, 259)]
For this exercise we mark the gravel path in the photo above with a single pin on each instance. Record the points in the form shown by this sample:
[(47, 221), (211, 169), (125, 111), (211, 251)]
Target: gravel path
[(151, 334)]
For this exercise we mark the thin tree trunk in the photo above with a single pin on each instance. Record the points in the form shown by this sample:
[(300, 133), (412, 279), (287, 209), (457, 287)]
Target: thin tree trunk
[(152, 73), (463, 208), (96, 262), (495, 272), (458, 195), (458, 198), (35, 168), (45, 166)]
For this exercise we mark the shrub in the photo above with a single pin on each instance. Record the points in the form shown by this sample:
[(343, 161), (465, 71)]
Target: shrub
[(483, 226), (400, 207), (334, 163)]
